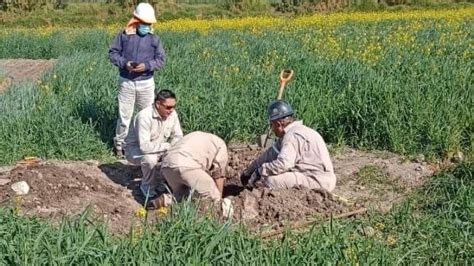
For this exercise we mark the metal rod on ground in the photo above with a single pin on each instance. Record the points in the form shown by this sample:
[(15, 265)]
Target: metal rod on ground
[(305, 224)]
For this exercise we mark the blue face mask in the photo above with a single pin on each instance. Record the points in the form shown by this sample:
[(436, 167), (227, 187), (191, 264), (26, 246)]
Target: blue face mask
[(143, 29)]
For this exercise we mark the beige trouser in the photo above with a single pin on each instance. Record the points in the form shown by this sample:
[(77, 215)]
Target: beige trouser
[(184, 180), (291, 179), (141, 92), (152, 182)]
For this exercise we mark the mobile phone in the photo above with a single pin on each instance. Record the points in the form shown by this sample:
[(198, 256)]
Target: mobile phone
[(134, 64)]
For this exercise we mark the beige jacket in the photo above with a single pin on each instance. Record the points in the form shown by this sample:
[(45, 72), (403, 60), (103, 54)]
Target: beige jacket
[(198, 150), (151, 134), (301, 149)]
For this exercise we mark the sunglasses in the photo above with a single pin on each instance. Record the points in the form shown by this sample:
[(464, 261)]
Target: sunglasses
[(167, 107)]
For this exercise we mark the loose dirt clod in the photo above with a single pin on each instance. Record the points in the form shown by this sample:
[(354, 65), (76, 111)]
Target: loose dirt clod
[(4, 181)]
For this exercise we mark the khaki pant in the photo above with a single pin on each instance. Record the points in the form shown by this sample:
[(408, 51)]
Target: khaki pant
[(152, 182), (184, 180), (324, 180), (141, 92), (291, 179)]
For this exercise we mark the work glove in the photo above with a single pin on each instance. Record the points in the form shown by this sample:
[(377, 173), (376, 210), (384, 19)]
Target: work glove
[(162, 201), (254, 178)]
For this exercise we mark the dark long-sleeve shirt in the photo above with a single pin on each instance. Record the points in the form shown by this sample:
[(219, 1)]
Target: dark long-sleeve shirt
[(131, 47)]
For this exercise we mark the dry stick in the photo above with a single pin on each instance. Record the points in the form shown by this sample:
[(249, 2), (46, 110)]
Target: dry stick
[(305, 224)]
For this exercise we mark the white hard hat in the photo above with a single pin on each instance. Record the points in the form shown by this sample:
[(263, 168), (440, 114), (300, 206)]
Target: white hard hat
[(145, 13)]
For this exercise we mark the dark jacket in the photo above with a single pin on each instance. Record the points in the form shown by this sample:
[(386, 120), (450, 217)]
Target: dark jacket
[(131, 47)]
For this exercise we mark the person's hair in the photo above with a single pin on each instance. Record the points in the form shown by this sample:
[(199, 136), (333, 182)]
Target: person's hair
[(165, 94)]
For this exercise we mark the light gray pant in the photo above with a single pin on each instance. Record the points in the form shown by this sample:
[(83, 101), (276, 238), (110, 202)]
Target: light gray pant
[(291, 179), (152, 181), (141, 92)]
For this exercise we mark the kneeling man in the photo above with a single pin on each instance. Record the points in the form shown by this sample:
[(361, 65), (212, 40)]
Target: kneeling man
[(197, 162), (298, 157)]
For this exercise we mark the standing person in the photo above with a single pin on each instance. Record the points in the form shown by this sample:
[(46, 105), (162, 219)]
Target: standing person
[(137, 52), (299, 157), (153, 131), (196, 163)]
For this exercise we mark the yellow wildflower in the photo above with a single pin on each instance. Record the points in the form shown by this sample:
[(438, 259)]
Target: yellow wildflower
[(391, 240), (140, 212), (162, 211), (380, 226)]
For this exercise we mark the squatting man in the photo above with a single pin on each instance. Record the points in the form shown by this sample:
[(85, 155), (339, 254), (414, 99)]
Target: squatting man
[(298, 158), (153, 131)]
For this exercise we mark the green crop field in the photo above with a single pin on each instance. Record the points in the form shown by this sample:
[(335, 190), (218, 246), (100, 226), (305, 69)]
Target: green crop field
[(396, 81), (401, 84)]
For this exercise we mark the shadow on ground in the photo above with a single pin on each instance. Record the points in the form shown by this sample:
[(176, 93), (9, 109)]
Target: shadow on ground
[(129, 176), (126, 175), (232, 190)]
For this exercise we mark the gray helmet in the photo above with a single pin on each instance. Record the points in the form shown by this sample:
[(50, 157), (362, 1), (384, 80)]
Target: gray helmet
[(279, 109)]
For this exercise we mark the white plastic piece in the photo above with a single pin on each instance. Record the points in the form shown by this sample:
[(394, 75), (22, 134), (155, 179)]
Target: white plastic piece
[(227, 208), (21, 188)]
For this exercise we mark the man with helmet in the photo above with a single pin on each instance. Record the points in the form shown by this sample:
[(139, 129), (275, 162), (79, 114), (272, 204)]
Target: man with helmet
[(137, 52), (298, 157)]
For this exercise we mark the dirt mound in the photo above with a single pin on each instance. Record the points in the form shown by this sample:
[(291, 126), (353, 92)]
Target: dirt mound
[(59, 189), (275, 208), (239, 158)]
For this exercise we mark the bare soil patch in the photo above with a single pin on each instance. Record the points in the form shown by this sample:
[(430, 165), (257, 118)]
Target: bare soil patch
[(370, 179), (19, 70), (378, 179), (59, 189)]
